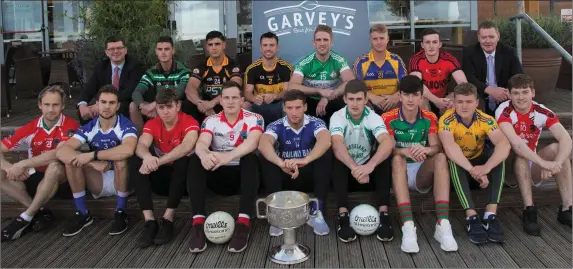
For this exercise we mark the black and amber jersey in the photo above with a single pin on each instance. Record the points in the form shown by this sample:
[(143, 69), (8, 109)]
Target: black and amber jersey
[(212, 79), (268, 80)]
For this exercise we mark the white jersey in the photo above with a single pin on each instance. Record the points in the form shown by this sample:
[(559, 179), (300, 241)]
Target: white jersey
[(226, 135), (360, 137)]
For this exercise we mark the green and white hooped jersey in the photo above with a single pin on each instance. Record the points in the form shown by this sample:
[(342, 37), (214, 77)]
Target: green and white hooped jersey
[(321, 75), (359, 137)]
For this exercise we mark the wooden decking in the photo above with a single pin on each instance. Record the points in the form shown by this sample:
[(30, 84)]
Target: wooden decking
[(95, 248)]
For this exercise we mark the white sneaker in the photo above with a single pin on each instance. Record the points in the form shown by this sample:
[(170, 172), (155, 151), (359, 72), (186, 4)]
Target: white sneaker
[(318, 223), (409, 238), (443, 234), (274, 231)]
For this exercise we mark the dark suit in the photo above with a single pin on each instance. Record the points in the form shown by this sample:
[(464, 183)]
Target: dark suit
[(130, 75), (474, 65)]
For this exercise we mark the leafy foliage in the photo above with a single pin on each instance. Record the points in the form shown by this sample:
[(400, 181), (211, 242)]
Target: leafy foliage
[(560, 31)]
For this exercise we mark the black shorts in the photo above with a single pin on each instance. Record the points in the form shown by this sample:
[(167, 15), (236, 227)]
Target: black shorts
[(64, 191)]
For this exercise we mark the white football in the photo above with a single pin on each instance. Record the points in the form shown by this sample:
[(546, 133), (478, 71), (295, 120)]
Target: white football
[(364, 219), (219, 227)]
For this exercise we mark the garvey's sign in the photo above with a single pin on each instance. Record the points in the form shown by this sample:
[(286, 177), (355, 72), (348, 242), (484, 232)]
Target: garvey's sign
[(294, 23)]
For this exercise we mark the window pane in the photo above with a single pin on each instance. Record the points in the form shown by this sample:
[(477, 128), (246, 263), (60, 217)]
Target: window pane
[(444, 12), (22, 20), (389, 12), (196, 18), (244, 26), (63, 21)]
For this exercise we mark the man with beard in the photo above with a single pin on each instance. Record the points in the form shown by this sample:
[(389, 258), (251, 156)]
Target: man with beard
[(41, 175), (266, 80), (112, 138)]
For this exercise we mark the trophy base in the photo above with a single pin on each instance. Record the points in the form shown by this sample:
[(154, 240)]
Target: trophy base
[(289, 254)]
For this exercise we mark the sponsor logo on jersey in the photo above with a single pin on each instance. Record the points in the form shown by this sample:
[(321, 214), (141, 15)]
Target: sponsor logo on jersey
[(196, 71)]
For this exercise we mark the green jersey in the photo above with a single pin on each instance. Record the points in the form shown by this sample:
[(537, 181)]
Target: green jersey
[(321, 75), (409, 134), (156, 79)]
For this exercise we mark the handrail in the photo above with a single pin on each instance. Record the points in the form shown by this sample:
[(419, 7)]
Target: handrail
[(543, 34)]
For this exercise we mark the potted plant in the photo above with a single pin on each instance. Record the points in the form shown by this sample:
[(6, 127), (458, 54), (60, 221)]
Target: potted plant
[(539, 59)]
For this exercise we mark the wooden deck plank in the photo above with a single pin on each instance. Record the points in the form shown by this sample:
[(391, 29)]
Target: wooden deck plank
[(209, 257), (536, 245), (396, 257), (374, 252), (550, 216), (426, 226), (80, 248), (182, 258), (350, 254), (470, 253), (326, 247), (159, 259), (495, 254), (305, 236), (99, 249), (275, 241), (256, 253), (235, 259), (426, 256), (123, 247)]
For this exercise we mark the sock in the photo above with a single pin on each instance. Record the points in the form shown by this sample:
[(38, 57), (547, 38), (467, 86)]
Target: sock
[(121, 200), (442, 209), (25, 217), (486, 214), (405, 212), (314, 207), (244, 219), (80, 200), (198, 219)]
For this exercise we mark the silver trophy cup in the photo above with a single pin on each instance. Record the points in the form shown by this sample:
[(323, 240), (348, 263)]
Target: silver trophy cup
[(287, 210)]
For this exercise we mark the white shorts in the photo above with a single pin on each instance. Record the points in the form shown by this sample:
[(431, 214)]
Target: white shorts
[(412, 173), (108, 187)]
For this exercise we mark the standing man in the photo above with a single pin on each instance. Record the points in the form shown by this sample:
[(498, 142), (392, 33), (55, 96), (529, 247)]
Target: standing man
[(436, 68), (41, 176), (418, 161), (489, 65), (173, 135), (119, 70), (167, 74), (112, 139), (360, 143), (322, 75), (203, 93), (462, 131), (266, 80), (522, 120), (303, 159), (226, 163), (381, 70)]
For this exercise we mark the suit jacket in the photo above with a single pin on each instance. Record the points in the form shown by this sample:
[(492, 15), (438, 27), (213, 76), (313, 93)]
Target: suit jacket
[(474, 65), (130, 75)]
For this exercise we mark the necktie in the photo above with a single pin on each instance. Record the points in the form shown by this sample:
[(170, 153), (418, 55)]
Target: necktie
[(115, 81), (491, 79)]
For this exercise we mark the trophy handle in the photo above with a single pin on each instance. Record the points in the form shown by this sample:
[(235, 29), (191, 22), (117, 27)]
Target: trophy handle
[(261, 200), (315, 200)]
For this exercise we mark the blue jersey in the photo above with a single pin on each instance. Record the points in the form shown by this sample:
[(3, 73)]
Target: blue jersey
[(98, 140), (295, 144)]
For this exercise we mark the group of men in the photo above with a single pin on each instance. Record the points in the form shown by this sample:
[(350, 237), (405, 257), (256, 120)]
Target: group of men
[(326, 123)]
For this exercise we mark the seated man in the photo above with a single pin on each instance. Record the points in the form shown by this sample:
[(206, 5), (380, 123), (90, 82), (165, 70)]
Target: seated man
[(167, 74), (360, 143), (203, 93), (173, 134), (418, 162), (462, 131), (226, 163), (41, 175), (112, 137), (303, 158), (521, 120)]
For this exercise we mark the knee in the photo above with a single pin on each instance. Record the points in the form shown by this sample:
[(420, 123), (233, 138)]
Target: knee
[(520, 163), (120, 165), (55, 169), (440, 160), (398, 162)]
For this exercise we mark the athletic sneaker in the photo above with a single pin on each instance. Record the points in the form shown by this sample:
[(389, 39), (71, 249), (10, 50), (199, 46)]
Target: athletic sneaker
[(15, 229), (274, 231), (165, 234), (119, 225), (476, 231), (318, 223), (198, 241), (385, 231), (240, 238), (529, 221), (409, 238), (42, 220), (77, 224), (345, 232), (444, 235), (493, 229), (564, 216), (149, 232)]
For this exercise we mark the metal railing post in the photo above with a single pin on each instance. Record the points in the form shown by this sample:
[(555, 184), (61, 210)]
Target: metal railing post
[(518, 39)]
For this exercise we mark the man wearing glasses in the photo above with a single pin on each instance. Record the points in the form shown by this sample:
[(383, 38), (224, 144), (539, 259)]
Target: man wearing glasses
[(119, 70)]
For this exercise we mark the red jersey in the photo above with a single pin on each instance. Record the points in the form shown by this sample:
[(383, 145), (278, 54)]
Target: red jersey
[(166, 140), (527, 126), (40, 140), (435, 75)]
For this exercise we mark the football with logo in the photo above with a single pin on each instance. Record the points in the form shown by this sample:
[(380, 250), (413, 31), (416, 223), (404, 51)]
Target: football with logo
[(364, 219), (219, 227)]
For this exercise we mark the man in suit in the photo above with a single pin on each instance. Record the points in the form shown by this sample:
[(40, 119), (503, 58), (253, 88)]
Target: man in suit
[(489, 65), (117, 69)]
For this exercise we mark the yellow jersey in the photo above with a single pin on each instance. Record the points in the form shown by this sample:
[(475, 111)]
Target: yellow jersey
[(470, 138), (381, 80)]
